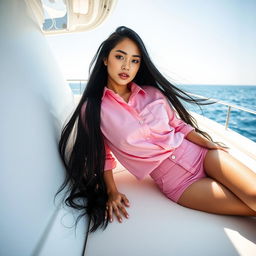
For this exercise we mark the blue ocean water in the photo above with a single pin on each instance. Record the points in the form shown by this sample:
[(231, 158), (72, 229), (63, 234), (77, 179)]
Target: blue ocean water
[(243, 96), (77, 88)]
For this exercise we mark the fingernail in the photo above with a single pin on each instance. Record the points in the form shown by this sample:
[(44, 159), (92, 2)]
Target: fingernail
[(127, 216), (111, 220), (120, 220)]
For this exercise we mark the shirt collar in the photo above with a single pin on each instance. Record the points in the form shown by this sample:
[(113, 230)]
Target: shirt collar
[(135, 89)]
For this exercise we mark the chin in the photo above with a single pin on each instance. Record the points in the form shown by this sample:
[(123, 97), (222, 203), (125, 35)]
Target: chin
[(124, 82)]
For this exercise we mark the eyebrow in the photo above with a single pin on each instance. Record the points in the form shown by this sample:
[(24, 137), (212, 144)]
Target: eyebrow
[(126, 53)]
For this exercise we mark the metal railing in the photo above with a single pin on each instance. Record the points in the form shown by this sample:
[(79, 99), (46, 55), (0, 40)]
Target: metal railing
[(192, 94), (80, 83), (226, 104)]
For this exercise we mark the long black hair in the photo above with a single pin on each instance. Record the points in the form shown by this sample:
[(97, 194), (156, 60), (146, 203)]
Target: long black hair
[(81, 145)]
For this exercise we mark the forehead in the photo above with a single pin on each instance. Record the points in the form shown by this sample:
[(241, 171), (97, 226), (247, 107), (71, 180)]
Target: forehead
[(128, 46)]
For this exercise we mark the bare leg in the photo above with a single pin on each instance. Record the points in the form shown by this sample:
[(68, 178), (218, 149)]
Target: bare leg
[(210, 196), (234, 175)]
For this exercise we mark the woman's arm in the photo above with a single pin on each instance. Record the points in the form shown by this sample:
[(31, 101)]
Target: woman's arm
[(200, 140), (197, 138), (116, 200), (109, 181)]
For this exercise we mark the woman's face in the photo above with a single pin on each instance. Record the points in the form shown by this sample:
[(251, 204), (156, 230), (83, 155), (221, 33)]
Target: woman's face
[(123, 63)]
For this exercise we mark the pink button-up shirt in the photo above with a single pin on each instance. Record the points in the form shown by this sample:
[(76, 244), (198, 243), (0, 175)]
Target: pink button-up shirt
[(141, 133)]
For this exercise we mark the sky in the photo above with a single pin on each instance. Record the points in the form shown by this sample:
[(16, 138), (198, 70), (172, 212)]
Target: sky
[(190, 41)]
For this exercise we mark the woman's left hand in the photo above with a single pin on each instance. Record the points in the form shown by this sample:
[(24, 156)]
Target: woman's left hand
[(212, 145)]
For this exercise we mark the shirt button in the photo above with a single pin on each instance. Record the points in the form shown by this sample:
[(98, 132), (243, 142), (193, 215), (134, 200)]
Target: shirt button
[(141, 121), (173, 157)]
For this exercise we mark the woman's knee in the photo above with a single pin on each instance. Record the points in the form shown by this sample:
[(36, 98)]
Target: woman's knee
[(250, 194)]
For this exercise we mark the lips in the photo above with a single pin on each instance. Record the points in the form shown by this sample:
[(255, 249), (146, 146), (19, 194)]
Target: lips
[(123, 75)]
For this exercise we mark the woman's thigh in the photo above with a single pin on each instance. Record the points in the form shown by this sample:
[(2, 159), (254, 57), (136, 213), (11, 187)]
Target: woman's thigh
[(233, 174), (211, 196)]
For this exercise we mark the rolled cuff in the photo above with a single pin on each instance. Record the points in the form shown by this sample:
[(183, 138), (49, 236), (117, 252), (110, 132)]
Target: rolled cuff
[(186, 129), (110, 164)]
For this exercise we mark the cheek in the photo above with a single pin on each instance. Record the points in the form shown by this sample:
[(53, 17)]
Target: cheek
[(110, 68), (112, 65), (136, 69)]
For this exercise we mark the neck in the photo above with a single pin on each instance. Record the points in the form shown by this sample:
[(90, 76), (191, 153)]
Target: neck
[(119, 89)]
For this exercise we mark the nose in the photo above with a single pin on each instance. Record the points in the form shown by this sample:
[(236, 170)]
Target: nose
[(126, 65)]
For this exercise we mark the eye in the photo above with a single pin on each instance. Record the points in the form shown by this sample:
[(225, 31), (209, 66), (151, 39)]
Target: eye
[(136, 61), (119, 57)]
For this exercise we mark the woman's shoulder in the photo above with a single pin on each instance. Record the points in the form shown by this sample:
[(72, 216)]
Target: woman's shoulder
[(153, 91)]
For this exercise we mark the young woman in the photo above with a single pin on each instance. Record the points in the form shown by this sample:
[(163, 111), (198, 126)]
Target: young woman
[(129, 109)]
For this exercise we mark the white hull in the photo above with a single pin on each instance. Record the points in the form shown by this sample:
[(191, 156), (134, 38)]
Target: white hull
[(35, 100)]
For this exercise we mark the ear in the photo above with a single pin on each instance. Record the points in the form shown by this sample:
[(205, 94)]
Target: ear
[(105, 62)]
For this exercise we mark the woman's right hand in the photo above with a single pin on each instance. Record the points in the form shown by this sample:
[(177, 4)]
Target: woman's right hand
[(116, 205)]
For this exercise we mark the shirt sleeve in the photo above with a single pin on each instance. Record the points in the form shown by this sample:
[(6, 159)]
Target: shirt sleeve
[(178, 124), (110, 161)]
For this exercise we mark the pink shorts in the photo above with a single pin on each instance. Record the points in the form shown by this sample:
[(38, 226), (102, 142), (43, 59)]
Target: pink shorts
[(183, 167)]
